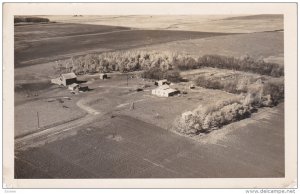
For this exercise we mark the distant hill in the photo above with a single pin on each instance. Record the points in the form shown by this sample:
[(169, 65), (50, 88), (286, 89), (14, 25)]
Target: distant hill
[(257, 17)]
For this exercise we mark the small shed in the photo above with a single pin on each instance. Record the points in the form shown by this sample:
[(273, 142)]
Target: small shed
[(164, 91), (68, 78), (73, 87), (192, 86), (161, 82), (103, 76), (83, 88)]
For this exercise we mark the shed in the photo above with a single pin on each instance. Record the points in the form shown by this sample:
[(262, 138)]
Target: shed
[(161, 82), (83, 88), (192, 86), (73, 87), (164, 91), (68, 78), (103, 76)]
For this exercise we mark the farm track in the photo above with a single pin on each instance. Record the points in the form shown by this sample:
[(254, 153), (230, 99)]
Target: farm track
[(52, 133)]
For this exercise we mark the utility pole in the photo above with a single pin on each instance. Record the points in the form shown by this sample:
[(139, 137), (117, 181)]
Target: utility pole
[(38, 119)]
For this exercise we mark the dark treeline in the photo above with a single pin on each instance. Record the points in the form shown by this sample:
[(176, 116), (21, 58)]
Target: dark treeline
[(30, 20), (153, 61)]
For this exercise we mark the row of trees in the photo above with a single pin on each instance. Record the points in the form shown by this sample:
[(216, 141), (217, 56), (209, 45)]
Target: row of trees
[(27, 19), (213, 116), (127, 61), (256, 88)]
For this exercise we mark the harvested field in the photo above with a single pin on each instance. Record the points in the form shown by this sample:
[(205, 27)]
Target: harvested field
[(204, 23), (97, 39), (268, 45), (129, 148)]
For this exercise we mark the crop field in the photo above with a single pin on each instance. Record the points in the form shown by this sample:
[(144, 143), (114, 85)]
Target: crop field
[(204, 23), (32, 50), (266, 45), (126, 147)]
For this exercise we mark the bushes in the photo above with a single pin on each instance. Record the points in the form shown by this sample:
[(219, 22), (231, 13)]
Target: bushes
[(274, 88), (157, 74), (210, 117), (144, 60), (245, 63), (204, 119), (153, 73), (173, 76)]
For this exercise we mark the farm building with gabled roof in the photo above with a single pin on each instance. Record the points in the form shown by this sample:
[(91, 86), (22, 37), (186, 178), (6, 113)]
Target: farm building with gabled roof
[(164, 91), (68, 78)]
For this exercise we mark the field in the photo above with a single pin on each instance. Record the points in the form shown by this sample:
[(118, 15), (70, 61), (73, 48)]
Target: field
[(266, 45), (125, 147), (30, 49), (117, 131), (200, 23)]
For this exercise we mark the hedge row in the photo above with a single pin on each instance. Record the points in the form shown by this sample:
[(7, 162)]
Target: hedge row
[(141, 60)]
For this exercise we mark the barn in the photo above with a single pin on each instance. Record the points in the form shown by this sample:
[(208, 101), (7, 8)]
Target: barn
[(164, 91), (68, 79)]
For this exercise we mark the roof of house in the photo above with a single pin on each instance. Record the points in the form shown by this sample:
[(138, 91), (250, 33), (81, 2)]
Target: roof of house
[(163, 80), (69, 75), (170, 90), (73, 85), (163, 87)]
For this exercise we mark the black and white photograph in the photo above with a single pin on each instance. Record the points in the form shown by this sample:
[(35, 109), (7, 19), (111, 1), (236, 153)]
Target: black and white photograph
[(149, 96)]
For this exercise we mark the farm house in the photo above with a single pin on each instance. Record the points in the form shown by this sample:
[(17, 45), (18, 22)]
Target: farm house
[(164, 91), (103, 76)]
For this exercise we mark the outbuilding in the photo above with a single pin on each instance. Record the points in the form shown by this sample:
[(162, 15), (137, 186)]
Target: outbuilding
[(83, 88), (103, 76), (164, 91), (162, 82), (68, 78), (73, 87)]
